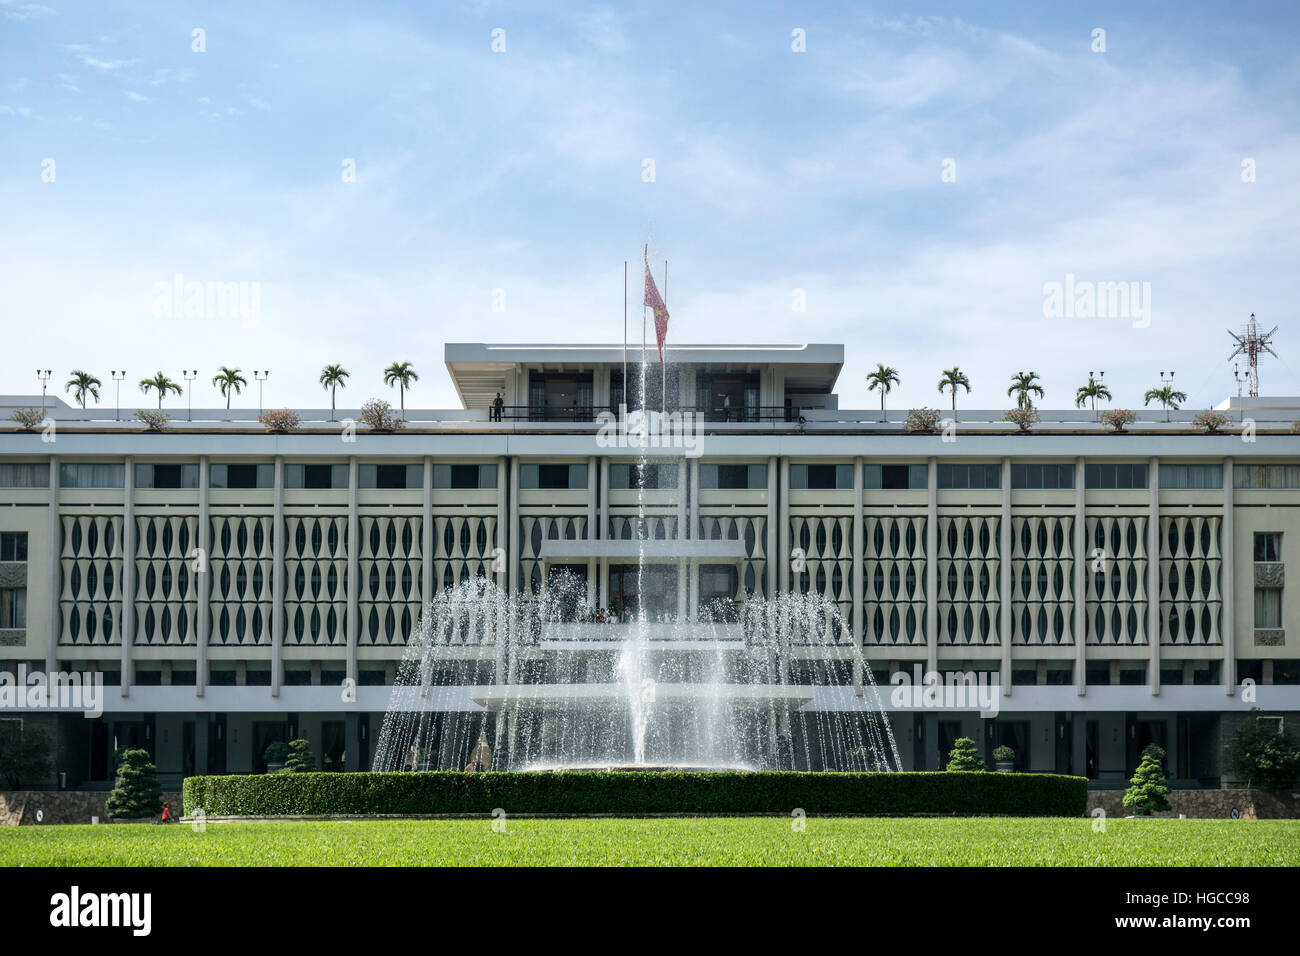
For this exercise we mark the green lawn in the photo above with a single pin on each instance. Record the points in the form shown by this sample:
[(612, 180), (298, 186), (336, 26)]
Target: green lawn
[(690, 841)]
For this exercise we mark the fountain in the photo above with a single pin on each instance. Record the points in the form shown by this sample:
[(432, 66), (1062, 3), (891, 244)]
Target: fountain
[(773, 684)]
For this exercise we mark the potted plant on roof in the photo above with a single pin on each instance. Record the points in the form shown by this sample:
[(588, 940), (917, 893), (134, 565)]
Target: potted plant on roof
[(1210, 421), (1117, 418), (922, 421), (275, 754), (1004, 758)]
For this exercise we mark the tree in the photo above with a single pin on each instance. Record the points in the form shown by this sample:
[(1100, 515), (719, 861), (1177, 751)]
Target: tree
[(83, 384), (300, 759), (227, 380), (954, 378), (1166, 396), (136, 794), (884, 378), (333, 377), (964, 757), (1263, 755), (161, 384), (1091, 392), (24, 755), (1022, 385), (401, 374), (1148, 788)]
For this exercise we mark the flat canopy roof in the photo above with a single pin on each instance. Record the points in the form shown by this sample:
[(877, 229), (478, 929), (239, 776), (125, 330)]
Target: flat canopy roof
[(479, 369)]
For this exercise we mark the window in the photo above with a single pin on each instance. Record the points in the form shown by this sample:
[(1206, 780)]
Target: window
[(1191, 476), (553, 477), (167, 476), (624, 476), (13, 546), (13, 607), (1268, 607), (25, 475), (1042, 477), (91, 475), (1266, 476), (821, 477), (1268, 546), (315, 476), (734, 477), (1117, 477), (391, 476), (464, 476), (970, 476), (896, 477), (243, 476)]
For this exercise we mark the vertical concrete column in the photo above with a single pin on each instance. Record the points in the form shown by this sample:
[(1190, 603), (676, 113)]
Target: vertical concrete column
[(592, 512), (512, 552), (686, 570), (352, 742), (128, 571), (1080, 579), (602, 532), (277, 580), (931, 724), (1153, 576), (1228, 583), (783, 526), (200, 743), (1079, 745), (1005, 548), (503, 521), (426, 535), (54, 541), (354, 568), (932, 565), (773, 539), (203, 590), (694, 530), (857, 575)]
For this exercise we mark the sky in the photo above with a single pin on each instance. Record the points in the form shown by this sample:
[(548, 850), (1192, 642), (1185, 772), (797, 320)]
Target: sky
[(906, 180)]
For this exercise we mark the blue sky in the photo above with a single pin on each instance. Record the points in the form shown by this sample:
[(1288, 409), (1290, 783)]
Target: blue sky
[(522, 171)]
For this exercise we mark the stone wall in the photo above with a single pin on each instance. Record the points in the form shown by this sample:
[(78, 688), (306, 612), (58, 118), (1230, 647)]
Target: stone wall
[(21, 807), (1209, 804)]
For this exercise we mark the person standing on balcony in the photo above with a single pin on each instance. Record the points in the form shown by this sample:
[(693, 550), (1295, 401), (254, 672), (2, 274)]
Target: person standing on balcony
[(498, 404)]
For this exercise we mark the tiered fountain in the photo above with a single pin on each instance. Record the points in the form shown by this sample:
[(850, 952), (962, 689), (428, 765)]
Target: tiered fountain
[(778, 685)]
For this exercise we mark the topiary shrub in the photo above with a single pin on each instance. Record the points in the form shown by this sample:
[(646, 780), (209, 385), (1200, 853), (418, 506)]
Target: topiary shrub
[(1116, 418), (24, 754), (276, 753), (28, 419), (964, 757), (1148, 788), (454, 791), (300, 759), (1264, 756), (1003, 754), (136, 794)]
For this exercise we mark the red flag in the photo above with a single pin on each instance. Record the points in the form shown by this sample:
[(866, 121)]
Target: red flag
[(656, 302)]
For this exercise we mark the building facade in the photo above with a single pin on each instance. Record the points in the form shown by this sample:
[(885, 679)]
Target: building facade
[(236, 587)]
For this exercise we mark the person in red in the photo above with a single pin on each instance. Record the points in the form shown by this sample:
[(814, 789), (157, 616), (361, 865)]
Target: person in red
[(167, 814)]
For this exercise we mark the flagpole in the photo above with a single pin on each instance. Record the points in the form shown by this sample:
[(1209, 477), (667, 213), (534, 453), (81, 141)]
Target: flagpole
[(663, 369), (624, 332), (643, 402)]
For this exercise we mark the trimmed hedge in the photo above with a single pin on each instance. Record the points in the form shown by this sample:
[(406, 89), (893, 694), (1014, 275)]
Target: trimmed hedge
[(634, 792)]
